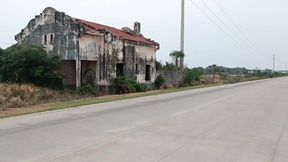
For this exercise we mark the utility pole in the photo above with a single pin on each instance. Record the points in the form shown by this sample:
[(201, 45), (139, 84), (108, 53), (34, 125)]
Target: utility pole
[(182, 33), (273, 63)]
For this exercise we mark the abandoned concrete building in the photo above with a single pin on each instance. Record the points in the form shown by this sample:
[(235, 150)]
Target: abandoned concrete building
[(92, 53)]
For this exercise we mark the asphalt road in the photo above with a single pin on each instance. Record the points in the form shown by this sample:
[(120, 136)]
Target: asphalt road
[(244, 122)]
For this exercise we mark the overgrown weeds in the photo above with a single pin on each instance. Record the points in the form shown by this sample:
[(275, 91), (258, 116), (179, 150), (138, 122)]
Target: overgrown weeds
[(20, 95)]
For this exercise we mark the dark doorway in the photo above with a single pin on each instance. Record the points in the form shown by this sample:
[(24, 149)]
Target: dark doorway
[(148, 72), (120, 69)]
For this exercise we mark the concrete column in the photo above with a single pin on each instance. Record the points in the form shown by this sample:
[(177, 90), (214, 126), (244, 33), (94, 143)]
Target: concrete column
[(97, 72), (78, 73)]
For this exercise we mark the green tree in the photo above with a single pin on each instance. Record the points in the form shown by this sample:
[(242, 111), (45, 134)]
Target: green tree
[(29, 64)]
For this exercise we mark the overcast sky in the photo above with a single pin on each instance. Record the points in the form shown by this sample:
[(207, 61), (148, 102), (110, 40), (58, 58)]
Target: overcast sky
[(263, 22)]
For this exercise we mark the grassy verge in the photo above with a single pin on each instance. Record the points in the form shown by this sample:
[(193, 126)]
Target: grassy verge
[(96, 100), (88, 101), (111, 98)]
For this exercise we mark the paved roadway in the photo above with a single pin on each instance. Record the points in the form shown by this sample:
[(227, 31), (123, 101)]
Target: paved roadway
[(244, 122)]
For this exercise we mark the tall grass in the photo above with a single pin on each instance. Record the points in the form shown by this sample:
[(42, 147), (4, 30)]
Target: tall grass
[(20, 95)]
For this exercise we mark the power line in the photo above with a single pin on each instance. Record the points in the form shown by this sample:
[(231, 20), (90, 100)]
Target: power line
[(234, 24), (240, 32), (238, 37), (251, 44), (220, 28), (228, 33)]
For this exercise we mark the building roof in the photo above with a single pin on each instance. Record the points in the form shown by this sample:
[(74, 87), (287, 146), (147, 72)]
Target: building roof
[(120, 34)]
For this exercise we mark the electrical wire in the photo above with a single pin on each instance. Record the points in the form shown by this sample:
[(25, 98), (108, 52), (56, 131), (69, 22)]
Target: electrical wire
[(219, 27), (250, 43), (233, 23), (243, 41), (228, 34)]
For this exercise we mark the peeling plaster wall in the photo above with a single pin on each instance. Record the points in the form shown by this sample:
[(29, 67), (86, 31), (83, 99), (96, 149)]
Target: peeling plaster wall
[(145, 55), (130, 55), (51, 23), (91, 46), (113, 54)]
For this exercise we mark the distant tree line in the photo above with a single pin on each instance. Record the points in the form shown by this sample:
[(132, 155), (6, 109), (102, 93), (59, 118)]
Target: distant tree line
[(193, 75)]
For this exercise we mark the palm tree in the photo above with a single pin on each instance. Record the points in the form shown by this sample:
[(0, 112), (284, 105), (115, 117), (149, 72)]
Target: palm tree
[(176, 55), (213, 69)]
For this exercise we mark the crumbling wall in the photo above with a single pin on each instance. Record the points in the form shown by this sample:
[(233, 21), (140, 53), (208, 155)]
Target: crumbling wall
[(91, 46), (113, 54), (55, 31), (145, 56)]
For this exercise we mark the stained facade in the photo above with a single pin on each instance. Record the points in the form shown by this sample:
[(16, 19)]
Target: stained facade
[(92, 53)]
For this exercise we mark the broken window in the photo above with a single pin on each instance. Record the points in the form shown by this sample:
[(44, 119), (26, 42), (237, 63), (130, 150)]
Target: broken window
[(148, 73), (51, 38), (119, 69), (45, 39)]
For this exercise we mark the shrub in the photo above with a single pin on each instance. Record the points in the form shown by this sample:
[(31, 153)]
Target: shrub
[(141, 87), (29, 64), (122, 85), (192, 75), (88, 89), (159, 82)]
